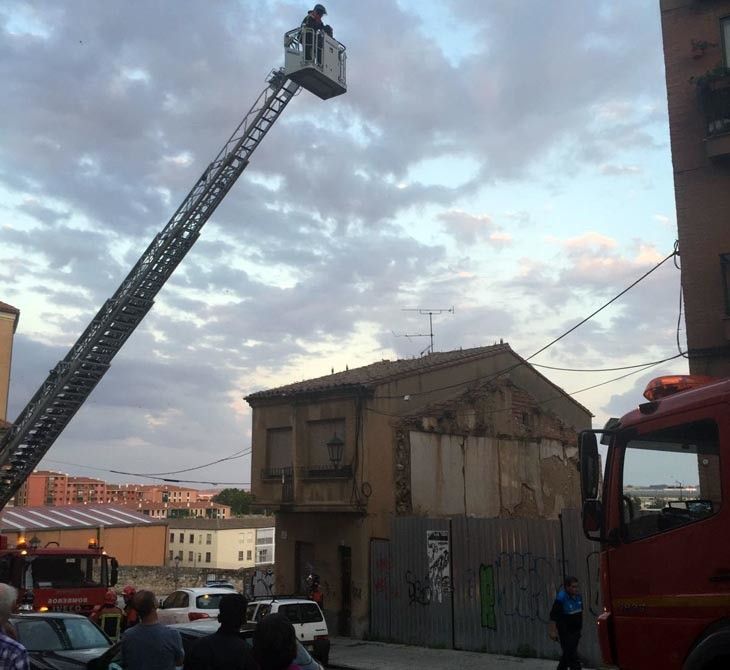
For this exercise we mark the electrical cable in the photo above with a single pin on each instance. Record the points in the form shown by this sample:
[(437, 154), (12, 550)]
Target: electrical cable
[(236, 455), (624, 367), (547, 346)]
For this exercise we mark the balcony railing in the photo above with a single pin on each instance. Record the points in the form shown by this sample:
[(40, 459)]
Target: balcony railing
[(277, 473), (327, 471)]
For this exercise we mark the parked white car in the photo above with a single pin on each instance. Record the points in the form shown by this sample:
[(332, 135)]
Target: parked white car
[(305, 615), (191, 604)]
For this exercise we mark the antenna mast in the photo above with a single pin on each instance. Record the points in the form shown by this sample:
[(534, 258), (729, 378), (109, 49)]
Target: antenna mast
[(430, 312)]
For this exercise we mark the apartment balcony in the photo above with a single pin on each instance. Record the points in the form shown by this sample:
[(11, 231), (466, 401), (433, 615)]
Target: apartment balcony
[(312, 488), (714, 93)]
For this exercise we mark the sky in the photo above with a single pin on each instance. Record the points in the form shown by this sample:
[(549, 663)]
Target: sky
[(508, 159)]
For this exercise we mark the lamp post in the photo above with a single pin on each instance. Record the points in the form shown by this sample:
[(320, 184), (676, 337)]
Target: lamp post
[(335, 447)]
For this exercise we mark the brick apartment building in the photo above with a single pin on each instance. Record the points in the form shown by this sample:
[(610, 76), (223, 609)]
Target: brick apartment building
[(154, 493), (46, 487), (697, 59), (9, 316)]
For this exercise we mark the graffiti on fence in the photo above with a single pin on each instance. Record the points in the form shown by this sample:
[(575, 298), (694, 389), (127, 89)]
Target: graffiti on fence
[(519, 585), (439, 563), (419, 591), (262, 583), (487, 596)]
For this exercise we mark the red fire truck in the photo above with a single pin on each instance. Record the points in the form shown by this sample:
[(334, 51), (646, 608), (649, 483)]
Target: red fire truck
[(665, 546), (60, 580)]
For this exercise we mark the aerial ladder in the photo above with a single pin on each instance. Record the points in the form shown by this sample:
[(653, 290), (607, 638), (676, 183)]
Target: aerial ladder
[(313, 60)]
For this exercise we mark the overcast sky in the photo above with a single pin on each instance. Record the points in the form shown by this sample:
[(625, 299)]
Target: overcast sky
[(509, 159)]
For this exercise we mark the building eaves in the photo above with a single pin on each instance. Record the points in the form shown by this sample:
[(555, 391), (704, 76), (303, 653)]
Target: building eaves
[(9, 309), (243, 522)]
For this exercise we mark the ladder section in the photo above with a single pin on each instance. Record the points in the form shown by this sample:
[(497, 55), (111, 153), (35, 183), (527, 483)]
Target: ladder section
[(73, 379)]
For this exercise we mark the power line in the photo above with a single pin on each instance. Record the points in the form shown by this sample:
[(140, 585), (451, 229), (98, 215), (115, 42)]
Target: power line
[(624, 367), (232, 457), (539, 351)]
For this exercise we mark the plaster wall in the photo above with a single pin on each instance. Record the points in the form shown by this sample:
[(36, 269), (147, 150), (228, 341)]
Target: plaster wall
[(490, 477)]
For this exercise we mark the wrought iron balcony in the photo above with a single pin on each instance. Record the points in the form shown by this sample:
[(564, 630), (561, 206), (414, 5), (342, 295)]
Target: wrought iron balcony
[(277, 473), (327, 471)]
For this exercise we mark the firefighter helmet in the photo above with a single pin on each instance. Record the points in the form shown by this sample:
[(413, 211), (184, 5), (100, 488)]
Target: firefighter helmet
[(320, 10), (128, 591)]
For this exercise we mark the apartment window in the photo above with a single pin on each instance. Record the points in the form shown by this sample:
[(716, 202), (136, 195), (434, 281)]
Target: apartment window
[(192, 538), (170, 556), (725, 266), (207, 557), (208, 538), (248, 555), (725, 29), (240, 555), (200, 539), (263, 555), (180, 554), (198, 558), (190, 556), (278, 448), (172, 537), (182, 538)]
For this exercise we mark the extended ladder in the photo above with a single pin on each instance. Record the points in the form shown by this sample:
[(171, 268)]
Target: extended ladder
[(72, 379)]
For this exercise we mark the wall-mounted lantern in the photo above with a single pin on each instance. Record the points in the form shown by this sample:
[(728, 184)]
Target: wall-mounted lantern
[(335, 447)]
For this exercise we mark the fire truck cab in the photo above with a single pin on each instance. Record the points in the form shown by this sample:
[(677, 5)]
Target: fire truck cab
[(665, 545), (59, 579)]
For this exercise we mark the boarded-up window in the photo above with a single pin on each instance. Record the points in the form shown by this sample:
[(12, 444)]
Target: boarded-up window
[(279, 448), (321, 432)]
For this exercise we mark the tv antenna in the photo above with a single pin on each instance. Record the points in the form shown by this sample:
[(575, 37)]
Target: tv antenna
[(430, 312)]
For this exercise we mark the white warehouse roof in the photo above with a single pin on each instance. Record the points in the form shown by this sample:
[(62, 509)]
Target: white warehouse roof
[(69, 516)]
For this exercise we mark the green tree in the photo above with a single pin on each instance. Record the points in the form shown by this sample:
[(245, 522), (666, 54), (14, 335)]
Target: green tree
[(238, 500)]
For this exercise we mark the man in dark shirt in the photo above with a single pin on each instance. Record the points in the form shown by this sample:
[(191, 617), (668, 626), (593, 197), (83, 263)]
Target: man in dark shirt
[(313, 20), (224, 649)]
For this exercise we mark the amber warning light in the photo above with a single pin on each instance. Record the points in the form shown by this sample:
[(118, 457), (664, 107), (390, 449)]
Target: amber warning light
[(661, 387)]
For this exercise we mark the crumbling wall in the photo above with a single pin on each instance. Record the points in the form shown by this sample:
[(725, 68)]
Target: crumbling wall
[(494, 452)]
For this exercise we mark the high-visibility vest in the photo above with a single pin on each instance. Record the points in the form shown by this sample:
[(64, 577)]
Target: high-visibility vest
[(111, 623)]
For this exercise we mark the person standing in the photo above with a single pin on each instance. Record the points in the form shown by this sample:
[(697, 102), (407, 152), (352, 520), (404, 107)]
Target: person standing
[(313, 22), (566, 623), (108, 616), (275, 643), (149, 645), (225, 649), (130, 614), (13, 655)]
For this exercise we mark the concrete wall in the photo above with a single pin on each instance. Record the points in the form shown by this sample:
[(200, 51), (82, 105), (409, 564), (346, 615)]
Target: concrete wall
[(700, 183), (130, 545)]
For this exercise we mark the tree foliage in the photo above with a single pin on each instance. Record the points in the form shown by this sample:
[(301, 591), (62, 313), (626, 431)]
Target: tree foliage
[(238, 500)]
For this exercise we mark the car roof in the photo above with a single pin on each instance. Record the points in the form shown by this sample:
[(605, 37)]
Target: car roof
[(205, 590), (205, 626), (45, 615), (279, 599)]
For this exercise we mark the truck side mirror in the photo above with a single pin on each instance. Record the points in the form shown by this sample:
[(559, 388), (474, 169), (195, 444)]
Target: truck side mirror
[(592, 519), (589, 467)]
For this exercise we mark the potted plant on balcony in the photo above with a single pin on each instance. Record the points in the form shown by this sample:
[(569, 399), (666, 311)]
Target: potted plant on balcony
[(713, 80), (713, 90)]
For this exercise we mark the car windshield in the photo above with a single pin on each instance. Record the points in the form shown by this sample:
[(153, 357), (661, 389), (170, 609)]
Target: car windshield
[(56, 634), (209, 601)]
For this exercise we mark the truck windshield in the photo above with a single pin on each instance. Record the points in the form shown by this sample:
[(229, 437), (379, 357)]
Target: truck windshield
[(63, 572), (671, 477)]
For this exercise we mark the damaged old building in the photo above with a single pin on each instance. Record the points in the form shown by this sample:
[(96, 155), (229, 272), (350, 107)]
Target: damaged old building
[(468, 433)]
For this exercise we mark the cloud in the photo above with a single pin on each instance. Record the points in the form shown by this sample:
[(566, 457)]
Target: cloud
[(469, 229)]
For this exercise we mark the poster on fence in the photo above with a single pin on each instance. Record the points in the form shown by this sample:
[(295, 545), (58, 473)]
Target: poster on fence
[(439, 563)]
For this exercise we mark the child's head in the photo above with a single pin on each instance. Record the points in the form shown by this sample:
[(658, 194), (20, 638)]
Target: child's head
[(570, 584)]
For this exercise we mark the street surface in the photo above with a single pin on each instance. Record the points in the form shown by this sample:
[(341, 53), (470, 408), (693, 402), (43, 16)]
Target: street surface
[(350, 654)]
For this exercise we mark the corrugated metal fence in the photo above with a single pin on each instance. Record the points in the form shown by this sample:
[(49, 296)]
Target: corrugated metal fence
[(480, 584)]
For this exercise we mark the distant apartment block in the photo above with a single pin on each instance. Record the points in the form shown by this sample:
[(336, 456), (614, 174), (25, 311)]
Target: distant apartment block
[(46, 487), (134, 493), (170, 510)]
